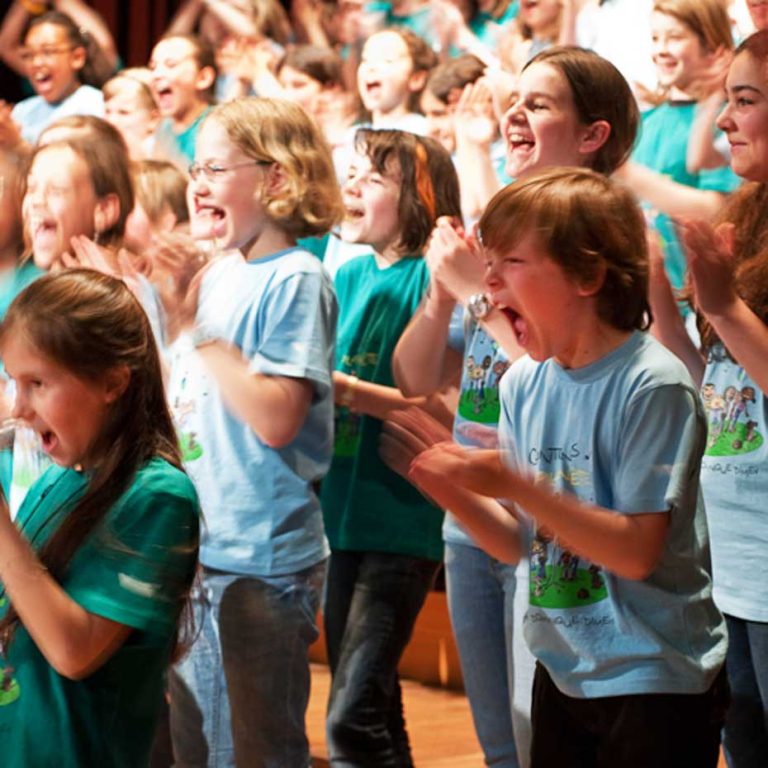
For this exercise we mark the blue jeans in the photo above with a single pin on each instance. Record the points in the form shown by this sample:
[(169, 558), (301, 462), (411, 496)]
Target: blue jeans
[(745, 736), (240, 696), (372, 600), (481, 602)]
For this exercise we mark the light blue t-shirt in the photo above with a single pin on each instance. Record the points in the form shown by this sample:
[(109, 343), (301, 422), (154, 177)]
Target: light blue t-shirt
[(476, 422), (625, 433), (261, 514), (35, 114), (734, 478)]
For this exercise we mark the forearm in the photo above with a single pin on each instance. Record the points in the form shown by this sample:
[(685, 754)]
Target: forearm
[(71, 639), (668, 196), (185, 18), (237, 22), (419, 357), (627, 545), (491, 526), (90, 20), (376, 400), (11, 33), (274, 407), (746, 337), (474, 163)]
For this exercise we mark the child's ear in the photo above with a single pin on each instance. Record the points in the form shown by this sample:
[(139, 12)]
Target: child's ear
[(205, 79), (115, 383), (106, 213), (78, 57), (418, 80), (276, 179), (594, 137), (589, 286)]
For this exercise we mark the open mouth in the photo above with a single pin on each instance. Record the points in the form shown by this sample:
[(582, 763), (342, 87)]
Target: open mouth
[(518, 323), (207, 221), (517, 141), (48, 440), (353, 214)]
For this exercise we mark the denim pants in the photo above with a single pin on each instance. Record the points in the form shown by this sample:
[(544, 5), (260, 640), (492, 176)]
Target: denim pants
[(240, 696), (745, 737), (488, 632), (372, 600)]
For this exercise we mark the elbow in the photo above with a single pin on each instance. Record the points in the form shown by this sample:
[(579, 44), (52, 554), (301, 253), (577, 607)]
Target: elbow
[(638, 570), (278, 438)]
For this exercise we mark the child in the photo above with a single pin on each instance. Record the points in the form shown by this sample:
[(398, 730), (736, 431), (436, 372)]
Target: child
[(384, 537), (183, 77), (393, 69), (603, 433), (728, 276), (161, 203), (252, 394), (689, 38), (55, 54), (98, 566), (130, 106), (485, 604)]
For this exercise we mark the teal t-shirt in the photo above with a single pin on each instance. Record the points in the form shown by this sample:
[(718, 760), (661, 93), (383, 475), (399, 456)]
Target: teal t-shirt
[(182, 142), (135, 569), (662, 146), (366, 506)]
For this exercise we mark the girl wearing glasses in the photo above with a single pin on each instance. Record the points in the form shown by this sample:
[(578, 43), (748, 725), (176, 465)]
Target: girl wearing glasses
[(252, 394), (56, 61)]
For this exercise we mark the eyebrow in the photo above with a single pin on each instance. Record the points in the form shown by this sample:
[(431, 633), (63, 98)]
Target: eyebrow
[(740, 88)]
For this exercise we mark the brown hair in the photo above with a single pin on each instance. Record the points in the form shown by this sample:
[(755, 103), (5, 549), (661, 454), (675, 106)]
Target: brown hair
[(588, 225), (319, 63), (599, 92), (453, 75), (204, 56), (278, 131), (13, 169), (707, 19), (102, 148), (429, 185), (96, 69), (160, 186), (90, 323)]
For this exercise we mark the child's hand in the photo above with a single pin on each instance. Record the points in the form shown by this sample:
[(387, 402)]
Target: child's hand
[(711, 265), (480, 471), (454, 260), (90, 255), (406, 434), (10, 135), (475, 117), (178, 269)]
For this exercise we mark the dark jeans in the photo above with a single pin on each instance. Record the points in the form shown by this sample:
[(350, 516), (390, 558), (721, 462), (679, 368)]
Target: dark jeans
[(638, 731), (746, 727), (372, 600)]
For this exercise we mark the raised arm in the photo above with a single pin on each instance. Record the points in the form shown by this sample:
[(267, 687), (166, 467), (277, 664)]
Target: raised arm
[(711, 266), (74, 642), (11, 31), (92, 22)]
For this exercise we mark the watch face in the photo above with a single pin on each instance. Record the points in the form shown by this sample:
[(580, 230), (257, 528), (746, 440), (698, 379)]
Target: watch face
[(478, 306)]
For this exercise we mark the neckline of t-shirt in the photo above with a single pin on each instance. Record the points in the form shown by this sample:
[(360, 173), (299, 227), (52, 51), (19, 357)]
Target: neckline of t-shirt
[(604, 365)]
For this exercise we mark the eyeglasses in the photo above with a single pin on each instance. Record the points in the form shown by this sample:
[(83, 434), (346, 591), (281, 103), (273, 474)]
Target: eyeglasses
[(216, 172), (28, 55)]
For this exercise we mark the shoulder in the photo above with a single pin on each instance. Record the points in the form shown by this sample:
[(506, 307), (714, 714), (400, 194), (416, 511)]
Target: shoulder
[(649, 364)]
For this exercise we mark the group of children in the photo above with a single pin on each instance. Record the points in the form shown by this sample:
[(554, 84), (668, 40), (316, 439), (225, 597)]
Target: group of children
[(219, 434)]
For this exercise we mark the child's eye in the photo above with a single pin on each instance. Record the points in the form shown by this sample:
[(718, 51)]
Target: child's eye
[(742, 101), (215, 170)]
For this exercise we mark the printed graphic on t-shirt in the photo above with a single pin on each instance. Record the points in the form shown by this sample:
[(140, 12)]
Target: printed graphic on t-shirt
[(184, 409), (559, 578), (479, 398), (347, 423), (733, 427)]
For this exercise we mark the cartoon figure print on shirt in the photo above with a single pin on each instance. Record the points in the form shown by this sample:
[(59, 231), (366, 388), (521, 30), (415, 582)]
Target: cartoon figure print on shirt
[(185, 411), (732, 415), (483, 369), (560, 578)]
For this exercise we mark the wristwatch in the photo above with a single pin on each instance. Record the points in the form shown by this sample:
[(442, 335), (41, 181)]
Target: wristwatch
[(478, 306)]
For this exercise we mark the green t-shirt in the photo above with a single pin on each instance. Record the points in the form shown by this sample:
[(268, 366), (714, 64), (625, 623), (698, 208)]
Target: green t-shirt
[(662, 146), (366, 506), (134, 569)]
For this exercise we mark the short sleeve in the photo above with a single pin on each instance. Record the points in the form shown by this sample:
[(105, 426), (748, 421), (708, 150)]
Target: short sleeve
[(662, 438), (138, 566), (298, 321)]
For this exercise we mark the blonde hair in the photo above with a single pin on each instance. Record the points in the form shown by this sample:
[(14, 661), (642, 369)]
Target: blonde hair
[(708, 19), (123, 83), (159, 187), (281, 132)]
